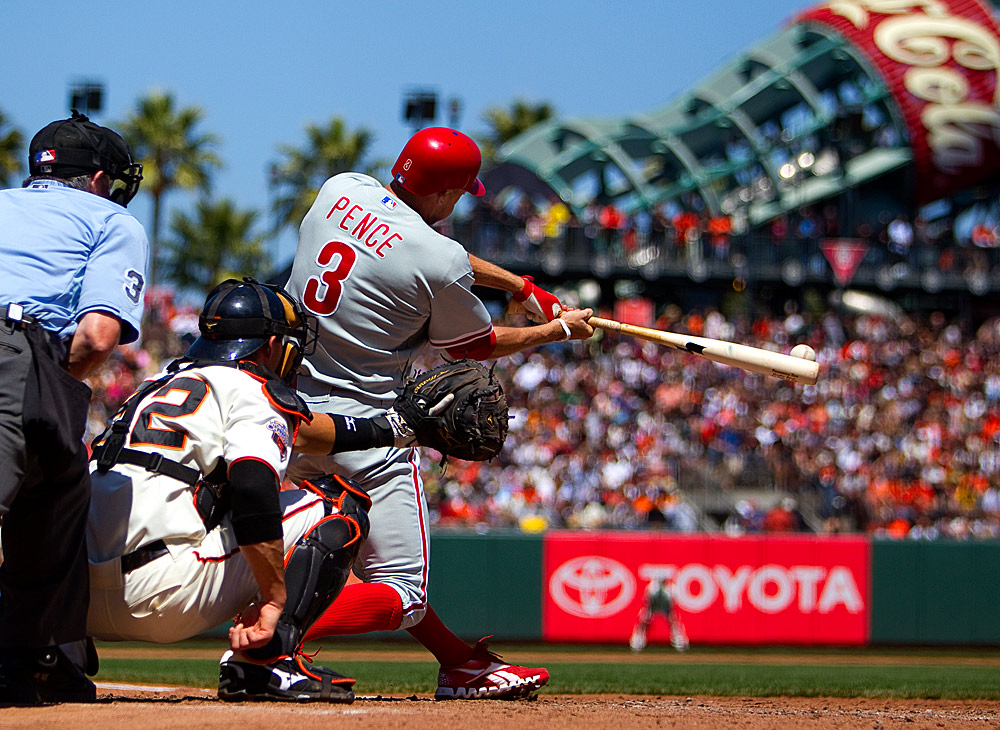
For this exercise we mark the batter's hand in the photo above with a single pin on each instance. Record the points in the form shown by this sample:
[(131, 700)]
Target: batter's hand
[(254, 626), (540, 305), (576, 320)]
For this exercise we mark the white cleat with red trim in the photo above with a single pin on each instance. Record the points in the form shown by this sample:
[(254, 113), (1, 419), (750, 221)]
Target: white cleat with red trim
[(486, 676)]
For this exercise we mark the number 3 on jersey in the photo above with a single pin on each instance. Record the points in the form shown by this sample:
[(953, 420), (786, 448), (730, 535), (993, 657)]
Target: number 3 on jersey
[(322, 293)]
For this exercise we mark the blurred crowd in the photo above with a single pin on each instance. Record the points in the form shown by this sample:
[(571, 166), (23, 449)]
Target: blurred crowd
[(684, 233), (898, 439)]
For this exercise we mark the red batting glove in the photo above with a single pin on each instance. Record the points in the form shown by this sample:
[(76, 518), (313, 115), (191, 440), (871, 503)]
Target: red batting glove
[(542, 306)]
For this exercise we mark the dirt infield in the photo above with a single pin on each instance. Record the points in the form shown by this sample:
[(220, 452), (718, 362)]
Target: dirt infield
[(196, 709), (133, 707)]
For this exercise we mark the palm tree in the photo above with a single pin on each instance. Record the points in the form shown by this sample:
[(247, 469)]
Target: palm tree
[(217, 243), (11, 144), (505, 124), (298, 176), (173, 154)]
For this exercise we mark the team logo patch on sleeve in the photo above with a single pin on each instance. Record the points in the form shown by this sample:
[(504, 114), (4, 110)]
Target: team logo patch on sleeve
[(279, 434)]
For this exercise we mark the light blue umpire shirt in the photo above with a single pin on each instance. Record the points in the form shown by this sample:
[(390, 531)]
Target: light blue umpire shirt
[(65, 252)]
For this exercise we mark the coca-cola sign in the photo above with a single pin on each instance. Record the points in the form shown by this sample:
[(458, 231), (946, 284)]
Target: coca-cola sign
[(940, 60)]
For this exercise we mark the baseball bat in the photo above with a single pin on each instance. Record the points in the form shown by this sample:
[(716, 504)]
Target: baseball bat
[(794, 369)]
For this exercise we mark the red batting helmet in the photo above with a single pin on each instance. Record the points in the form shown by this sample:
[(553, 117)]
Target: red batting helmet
[(438, 159)]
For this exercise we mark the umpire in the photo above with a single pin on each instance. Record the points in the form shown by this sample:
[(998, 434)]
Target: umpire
[(72, 267)]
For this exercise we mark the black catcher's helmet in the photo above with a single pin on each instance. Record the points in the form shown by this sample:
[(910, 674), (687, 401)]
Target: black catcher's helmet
[(239, 317)]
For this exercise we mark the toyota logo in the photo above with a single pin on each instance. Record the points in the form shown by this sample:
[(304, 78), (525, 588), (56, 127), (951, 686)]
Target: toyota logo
[(592, 586)]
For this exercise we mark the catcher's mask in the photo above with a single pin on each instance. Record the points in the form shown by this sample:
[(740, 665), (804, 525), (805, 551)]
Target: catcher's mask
[(77, 146), (240, 316)]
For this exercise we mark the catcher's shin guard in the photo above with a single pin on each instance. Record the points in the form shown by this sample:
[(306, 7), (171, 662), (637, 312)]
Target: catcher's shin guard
[(319, 564)]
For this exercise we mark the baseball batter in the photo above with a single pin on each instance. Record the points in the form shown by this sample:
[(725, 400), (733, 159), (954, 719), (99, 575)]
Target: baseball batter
[(384, 285), (187, 526)]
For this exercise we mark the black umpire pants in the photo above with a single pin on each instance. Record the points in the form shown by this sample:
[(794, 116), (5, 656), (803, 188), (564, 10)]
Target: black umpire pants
[(44, 492)]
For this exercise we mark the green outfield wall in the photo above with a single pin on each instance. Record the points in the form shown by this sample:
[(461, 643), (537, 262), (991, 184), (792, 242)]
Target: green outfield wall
[(920, 593), (935, 593), (488, 584)]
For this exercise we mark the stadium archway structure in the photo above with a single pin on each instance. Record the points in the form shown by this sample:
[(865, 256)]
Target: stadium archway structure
[(871, 105)]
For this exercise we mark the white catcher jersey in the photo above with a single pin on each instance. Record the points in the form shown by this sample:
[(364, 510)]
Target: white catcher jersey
[(196, 418), (382, 284)]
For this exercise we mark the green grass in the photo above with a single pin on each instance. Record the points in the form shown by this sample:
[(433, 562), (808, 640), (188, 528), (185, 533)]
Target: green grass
[(700, 674), (763, 680)]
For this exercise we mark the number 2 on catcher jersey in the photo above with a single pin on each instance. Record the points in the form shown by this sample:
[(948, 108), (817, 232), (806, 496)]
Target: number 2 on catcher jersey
[(188, 394), (322, 293)]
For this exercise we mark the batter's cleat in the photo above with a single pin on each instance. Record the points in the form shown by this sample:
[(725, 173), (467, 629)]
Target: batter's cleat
[(286, 680), (486, 676)]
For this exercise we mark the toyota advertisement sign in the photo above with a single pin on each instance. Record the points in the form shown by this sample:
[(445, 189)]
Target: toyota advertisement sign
[(747, 590)]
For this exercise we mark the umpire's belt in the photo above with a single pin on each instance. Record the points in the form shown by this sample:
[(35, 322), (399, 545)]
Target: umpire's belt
[(13, 314), (146, 554)]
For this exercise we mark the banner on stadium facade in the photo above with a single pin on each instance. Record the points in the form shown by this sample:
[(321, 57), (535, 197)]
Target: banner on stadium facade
[(747, 590), (635, 310), (940, 60), (844, 256)]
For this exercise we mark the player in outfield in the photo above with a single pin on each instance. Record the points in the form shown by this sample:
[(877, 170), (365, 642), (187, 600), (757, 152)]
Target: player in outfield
[(384, 286), (188, 526), (658, 599), (72, 263)]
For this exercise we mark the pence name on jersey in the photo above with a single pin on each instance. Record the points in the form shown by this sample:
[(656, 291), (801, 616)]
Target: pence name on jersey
[(371, 270), (200, 416)]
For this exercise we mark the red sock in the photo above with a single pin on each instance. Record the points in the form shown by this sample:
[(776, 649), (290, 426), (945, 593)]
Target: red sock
[(360, 608), (438, 639)]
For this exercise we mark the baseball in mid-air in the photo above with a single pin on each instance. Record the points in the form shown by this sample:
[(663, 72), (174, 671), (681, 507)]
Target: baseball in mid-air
[(803, 351)]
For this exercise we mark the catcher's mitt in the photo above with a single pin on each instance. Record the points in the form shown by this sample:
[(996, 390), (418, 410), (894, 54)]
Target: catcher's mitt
[(472, 425)]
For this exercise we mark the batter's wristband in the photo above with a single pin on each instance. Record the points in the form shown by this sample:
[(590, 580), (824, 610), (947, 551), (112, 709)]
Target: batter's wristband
[(525, 292), (566, 329)]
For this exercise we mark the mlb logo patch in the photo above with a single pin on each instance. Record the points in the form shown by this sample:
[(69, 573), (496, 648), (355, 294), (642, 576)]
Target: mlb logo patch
[(388, 202), (279, 434), (44, 156)]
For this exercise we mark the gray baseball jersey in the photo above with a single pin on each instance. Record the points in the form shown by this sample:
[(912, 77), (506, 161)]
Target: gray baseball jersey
[(383, 284)]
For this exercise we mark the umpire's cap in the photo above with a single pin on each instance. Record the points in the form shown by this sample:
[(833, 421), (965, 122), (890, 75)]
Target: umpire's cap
[(76, 146)]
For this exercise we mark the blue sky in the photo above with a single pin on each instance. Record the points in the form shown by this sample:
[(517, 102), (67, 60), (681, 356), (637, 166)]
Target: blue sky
[(262, 71)]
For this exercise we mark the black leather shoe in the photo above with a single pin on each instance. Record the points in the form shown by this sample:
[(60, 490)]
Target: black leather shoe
[(36, 676)]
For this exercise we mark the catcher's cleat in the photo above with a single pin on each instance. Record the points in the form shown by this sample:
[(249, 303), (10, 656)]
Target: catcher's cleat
[(286, 680), (486, 676)]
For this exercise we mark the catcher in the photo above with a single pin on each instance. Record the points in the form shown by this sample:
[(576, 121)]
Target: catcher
[(384, 286), (187, 525)]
